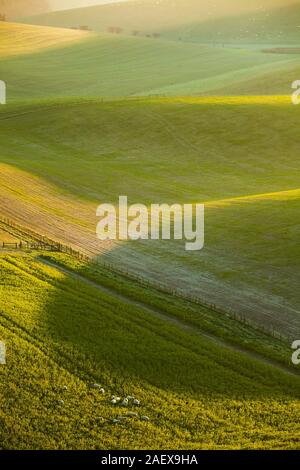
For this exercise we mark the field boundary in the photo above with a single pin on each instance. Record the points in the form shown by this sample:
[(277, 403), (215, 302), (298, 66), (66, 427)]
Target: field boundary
[(36, 241), (28, 246)]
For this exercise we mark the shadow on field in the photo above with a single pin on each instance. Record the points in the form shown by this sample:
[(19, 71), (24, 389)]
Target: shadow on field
[(160, 151), (120, 345)]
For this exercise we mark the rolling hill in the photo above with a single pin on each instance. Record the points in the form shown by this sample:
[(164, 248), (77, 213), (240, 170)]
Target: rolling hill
[(69, 333), (209, 21), (275, 82), (58, 168), (148, 149), (202, 339), (72, 63), (19, 40), (273, 26)]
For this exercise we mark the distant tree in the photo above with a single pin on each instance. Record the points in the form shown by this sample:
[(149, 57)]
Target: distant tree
[(114, 29)]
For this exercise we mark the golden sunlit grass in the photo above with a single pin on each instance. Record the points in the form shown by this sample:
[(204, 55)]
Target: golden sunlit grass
[(213, 150), (293, 194), (18, 39), (65, 332), (224, 100), (205, 379)]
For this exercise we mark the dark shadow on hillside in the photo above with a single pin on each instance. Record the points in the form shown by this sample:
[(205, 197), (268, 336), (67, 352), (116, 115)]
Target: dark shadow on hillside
[(120, 345)]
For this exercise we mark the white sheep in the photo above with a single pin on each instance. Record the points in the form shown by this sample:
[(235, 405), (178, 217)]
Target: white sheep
[(136, 402), (125, 402), (115, 398), (60, 402)]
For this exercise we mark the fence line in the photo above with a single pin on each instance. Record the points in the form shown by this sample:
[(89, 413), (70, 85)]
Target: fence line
[(29, 246), (42, 242)]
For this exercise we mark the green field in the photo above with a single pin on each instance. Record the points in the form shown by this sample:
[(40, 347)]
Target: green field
[(148, 149), (234, 21), (94, 64), (65, 332), (266, 26), (91, 116)]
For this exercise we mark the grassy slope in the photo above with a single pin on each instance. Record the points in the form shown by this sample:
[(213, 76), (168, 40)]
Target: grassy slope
[(275, 82), (150, 15), (250, 260), (259, 80), (16, 39), (221, 328), (94, 65), (273, 26), (64, 332)]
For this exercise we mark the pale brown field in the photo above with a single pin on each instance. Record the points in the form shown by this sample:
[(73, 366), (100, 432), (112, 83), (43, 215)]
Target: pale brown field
[(19, 39), (6, 237)]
